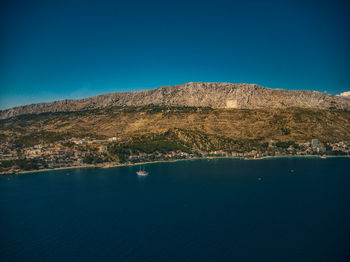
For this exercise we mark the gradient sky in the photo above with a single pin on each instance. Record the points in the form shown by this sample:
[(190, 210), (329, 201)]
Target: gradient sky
[(52, 50)]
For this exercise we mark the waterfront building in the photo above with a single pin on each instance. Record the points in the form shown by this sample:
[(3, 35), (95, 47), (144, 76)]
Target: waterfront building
[(315, 143), (103, 149)]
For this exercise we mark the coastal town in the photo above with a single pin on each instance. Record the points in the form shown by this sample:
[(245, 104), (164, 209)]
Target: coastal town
[(91, 152)]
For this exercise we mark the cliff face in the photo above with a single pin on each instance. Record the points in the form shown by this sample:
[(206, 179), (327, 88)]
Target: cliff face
[(215, 95)]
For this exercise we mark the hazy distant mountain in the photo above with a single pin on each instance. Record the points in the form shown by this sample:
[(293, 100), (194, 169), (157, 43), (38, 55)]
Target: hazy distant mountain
[(215, 95)]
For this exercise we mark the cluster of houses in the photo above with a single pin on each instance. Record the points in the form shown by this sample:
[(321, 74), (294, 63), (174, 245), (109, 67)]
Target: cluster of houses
[(73, 152), (67, 153), (55, 155), (90, 141), (341, 146), (169, 155)]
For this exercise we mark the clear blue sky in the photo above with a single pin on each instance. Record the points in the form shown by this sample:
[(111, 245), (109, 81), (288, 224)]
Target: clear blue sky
[(52, 50)]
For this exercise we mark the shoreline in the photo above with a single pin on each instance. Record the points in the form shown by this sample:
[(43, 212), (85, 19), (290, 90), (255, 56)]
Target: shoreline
[(112, 165)]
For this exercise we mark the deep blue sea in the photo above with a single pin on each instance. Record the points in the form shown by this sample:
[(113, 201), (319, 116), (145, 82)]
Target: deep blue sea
[(290, 209)]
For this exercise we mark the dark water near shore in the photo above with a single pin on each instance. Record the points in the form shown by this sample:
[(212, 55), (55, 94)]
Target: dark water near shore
[(204, 210)]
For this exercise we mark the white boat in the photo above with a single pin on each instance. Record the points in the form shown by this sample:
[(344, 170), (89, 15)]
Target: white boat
[(142, 172)]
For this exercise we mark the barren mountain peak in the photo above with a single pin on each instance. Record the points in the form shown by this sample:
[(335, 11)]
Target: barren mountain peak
[(195, 94)]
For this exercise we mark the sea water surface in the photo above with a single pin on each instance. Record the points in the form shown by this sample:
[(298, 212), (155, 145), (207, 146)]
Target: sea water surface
[(288, 209)]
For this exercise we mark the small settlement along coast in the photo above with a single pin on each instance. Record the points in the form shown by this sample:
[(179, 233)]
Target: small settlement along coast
[(90, 152)]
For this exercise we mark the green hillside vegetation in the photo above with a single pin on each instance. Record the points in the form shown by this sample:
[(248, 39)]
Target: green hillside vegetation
[(185, 141)]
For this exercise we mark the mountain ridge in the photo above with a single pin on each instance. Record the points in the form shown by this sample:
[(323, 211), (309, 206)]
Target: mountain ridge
[(198, 94)]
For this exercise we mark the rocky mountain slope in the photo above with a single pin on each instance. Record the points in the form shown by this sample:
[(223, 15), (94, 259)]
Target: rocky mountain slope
[(290, 124), (214, 95)]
